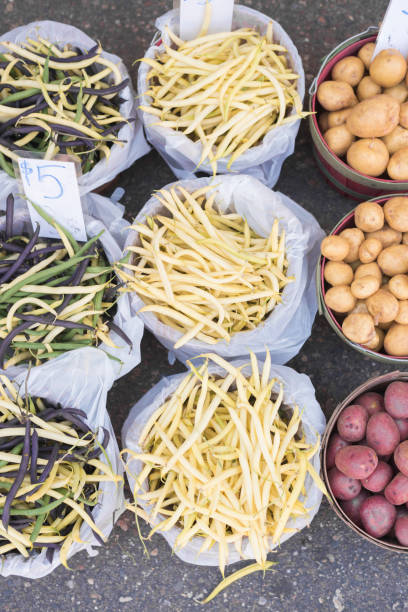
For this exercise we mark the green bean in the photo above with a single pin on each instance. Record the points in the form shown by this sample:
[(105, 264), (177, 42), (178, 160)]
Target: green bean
[(66, 346), (7, 167), (35, 511), (14, 451), (20, 95)]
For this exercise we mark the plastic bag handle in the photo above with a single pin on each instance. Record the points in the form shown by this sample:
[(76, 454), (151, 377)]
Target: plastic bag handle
[(345, 43)]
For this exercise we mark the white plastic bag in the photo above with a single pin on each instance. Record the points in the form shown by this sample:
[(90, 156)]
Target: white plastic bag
[(289, 325), (182, 154), (121, 155), (81, 380), (101, 214), (298, 389)]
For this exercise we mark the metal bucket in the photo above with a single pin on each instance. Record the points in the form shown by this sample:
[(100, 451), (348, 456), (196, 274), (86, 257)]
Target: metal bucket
[(348, 221), (346, 180), (374, 384)]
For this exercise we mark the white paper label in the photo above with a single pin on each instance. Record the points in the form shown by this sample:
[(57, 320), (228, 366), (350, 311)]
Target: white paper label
[(53, 185), (192, 14), (394, 29)]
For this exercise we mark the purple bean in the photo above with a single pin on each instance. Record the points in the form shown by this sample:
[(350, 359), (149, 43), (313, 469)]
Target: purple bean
[(101, 92), (19, 478), (5, 343), (115, 328), (27, 249), (50, 320), (34, 457), (36, 109), (12, 248), (9, 215), (93, 52), (46, 471), (96, 535)]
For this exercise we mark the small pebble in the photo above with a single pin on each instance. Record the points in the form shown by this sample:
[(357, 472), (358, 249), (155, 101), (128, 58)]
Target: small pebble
[(125, 599), (262, 601)]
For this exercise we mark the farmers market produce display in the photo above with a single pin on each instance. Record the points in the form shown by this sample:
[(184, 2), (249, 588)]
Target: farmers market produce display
[(51, 465), (365, 112), (58, 99), (55, 295), (367, 463)]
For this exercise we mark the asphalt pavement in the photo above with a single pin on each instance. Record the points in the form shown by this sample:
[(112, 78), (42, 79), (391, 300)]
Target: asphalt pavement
[(325, 567)]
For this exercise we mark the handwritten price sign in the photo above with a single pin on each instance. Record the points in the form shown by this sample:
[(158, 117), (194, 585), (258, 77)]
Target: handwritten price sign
[(394, 29), (53, 185), (192, 14)]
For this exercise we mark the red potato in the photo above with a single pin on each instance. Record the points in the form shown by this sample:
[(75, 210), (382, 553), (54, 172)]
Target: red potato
[(382, 434), (342, 487), (371, 401), (334, 445), (401, 530), (396, 492), (352, 507), (401, 511), (402, 425), (377, 516), (396, 399), (356, 461), (401, 457), (379, 479), (352, 423)]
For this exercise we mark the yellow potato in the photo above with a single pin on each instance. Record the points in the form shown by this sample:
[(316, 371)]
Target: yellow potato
[(369, 250), (366, 53), (370, 269), (405, 238), (335, 248), (335, 95), (354, 237), (386, 326), (367, 88), (324, 122), (338, 273), (382, 306), (338, 139), (403, 119), (398, 165), (340, 299), (349, 69), (365, 286), (402, 316), (396, 340), (369, 156), (399, 92), (398, 285), (394, 260), (369, 216), (377, 342), (360, 308), (398, 139), (388, 68), (359, 328), (386, 236), (375, 117), (396, 213), (337, 117)]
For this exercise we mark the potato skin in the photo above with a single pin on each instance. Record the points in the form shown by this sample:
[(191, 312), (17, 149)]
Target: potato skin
[(362, 288), (335, 248), (342, 487), (371, 269), (367, 88), (399, 92), (394, 260), (355, 238), (388, 68), (396, 399), (401, 530), (375, 117), (398, 285), (398, 139), (382, 434), (401, 457), (402, 316), (369, 216), (340, 299), (396, 340), (359, 328), (403, 120), (398, 165), (356, 461), (369, 250), (396, 213), (349, 69), (336, 118), (336, 442), (379, 479), (338, 273), (386, 236), (366, 53), (402, 425), (382, 306), (352, 423), (360, 308), (396, 492), (352, 507), (369, 156), (377, 516), (339, 139), (377, 342), (372, 402), (335, 95)]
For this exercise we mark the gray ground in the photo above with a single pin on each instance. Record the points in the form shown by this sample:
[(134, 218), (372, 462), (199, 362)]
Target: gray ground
[(326, 567)]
